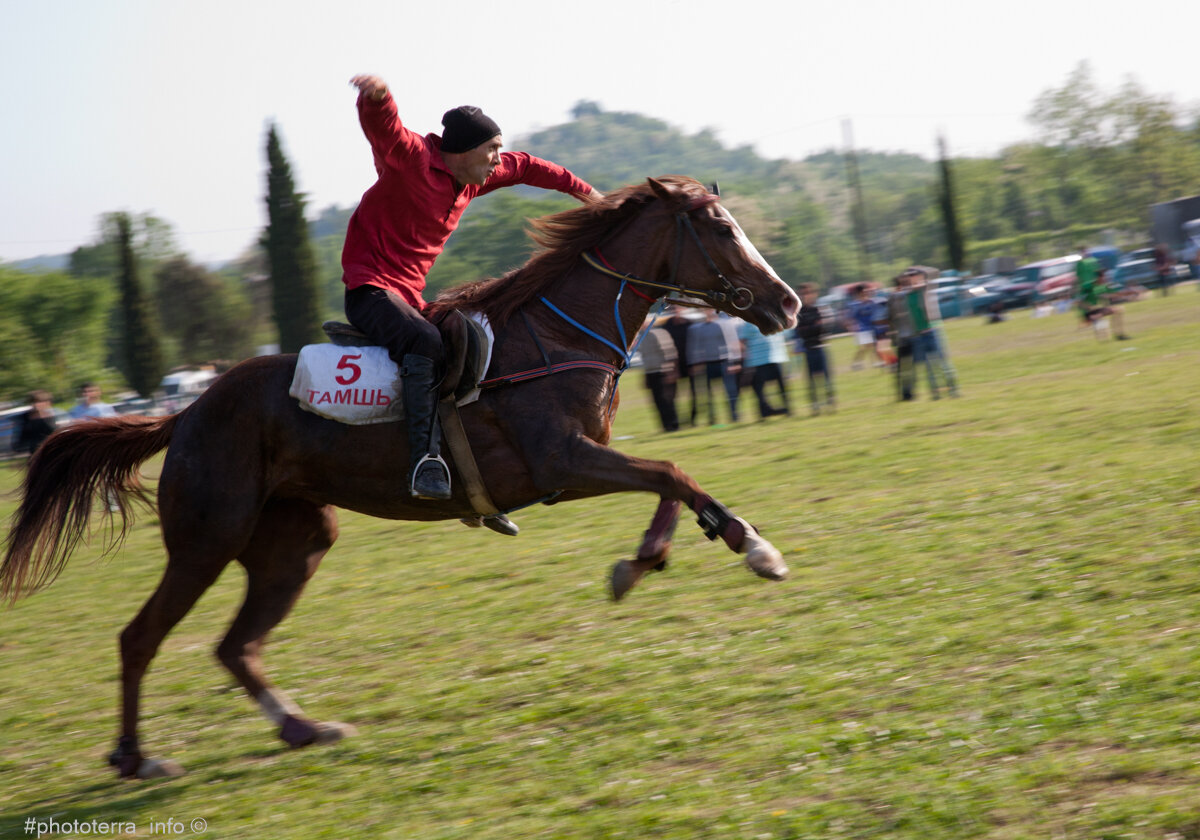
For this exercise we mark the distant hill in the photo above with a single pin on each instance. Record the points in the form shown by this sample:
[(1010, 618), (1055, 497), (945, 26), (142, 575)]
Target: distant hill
[(612, 148), (36, 265)]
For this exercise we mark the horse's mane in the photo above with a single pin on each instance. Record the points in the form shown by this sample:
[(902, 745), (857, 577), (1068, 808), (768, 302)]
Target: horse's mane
[(560, 238)]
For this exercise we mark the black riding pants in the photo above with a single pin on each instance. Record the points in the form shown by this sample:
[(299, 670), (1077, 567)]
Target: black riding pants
[(389, 321)]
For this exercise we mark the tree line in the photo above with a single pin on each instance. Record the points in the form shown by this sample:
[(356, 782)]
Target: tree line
[(131, 305)]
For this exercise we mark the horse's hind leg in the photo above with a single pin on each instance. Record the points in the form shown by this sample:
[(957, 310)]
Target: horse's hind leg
[(181, 586), (287, 546)]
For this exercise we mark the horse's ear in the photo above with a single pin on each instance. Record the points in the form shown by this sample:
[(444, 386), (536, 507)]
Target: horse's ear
[(660, 189), (715, 189)]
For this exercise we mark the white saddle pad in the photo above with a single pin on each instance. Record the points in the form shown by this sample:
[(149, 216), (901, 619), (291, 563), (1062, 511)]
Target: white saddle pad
[(355, 385), (358, 385)]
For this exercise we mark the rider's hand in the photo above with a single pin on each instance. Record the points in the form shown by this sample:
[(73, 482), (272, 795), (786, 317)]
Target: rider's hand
[(372, 87)]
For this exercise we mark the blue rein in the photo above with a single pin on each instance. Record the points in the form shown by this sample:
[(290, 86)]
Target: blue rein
[(625, 354)]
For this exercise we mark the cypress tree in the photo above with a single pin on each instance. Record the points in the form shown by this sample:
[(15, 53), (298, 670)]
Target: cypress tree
[(290, 260), (955, 244), (140, 340)]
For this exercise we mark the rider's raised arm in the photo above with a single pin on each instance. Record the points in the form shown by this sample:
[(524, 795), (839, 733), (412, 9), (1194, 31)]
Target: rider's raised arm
[(380, 121), (524, 168)]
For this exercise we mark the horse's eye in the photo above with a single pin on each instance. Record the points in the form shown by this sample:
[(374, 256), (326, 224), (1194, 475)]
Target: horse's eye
[(725, 229)]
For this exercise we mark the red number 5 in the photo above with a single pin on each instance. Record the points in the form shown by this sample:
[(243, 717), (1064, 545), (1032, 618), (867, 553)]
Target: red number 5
[(347, 364)]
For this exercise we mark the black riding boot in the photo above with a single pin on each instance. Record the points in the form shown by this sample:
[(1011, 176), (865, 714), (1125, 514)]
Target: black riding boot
[(429, 477)]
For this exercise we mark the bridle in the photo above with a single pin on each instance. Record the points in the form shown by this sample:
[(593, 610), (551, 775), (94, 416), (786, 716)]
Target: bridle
[(740, 298)]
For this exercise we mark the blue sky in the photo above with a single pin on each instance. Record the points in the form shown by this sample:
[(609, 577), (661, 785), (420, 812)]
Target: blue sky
[(161, 107)]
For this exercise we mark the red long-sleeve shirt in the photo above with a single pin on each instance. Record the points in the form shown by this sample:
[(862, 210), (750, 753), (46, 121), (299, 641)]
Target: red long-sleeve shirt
[(403, 221)]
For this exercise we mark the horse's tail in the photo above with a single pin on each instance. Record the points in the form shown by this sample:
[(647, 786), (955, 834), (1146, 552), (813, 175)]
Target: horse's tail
[(70, 469)]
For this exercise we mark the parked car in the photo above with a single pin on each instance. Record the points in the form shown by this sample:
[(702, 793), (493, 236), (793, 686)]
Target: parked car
[(1137, 268), (1010, 291), (1057, 286), (1051, 278), (951, 295), (187, 382), (181, 388)]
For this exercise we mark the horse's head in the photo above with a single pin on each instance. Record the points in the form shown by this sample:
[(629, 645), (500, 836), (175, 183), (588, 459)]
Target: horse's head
[(713, 256)]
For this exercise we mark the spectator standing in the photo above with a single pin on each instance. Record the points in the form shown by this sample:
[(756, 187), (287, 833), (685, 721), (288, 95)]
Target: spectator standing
[(35, 425), (931, 341), (706, 353), (902, 334), (90, 405), (810, 337), (860, 322), (886, 357), (732, 376), (660, 361), (1164, 267), (677, 327), (764, 359)]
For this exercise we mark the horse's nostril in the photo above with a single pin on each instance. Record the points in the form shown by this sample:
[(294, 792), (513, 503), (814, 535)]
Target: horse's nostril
[(791, 306)]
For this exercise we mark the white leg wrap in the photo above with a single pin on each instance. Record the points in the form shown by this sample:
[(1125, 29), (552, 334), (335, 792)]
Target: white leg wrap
[(764, 559)]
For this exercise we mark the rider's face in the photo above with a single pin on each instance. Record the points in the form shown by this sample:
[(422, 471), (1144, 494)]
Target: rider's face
[(478, 164)]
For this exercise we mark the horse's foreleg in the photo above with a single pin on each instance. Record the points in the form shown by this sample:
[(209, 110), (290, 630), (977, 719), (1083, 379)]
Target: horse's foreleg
[(762, 558), (587, 468), (288, 543)]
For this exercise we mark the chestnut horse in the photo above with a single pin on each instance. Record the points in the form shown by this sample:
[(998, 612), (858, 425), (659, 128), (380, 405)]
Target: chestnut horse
[(249, 476)]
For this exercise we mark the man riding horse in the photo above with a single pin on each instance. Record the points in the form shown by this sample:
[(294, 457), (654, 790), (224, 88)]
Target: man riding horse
[(399, 229)]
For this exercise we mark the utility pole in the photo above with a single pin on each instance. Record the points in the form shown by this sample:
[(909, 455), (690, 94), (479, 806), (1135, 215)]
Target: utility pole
[(955, 246), (858, 213)]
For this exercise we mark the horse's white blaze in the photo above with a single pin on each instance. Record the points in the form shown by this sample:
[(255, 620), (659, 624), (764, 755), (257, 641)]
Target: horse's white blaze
[(276, 705), (747, 246), (752, 253)]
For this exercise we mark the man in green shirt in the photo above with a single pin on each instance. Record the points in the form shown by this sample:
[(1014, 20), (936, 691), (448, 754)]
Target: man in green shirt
[(1094, 295), (930, 344)]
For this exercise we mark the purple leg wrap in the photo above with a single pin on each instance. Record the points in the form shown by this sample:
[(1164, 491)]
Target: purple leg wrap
[(296, 732), (657, 540)]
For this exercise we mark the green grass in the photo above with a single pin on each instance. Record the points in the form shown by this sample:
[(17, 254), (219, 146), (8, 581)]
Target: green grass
[(990, 631)]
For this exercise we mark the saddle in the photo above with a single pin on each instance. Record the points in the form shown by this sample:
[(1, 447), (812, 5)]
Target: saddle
[(467, 343), (468, 352)]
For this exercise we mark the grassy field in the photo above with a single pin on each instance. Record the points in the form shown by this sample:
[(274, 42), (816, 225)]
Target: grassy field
[(990, 631)]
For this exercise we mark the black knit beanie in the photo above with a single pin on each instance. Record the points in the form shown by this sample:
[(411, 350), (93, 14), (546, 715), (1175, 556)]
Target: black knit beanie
[(466, 127)]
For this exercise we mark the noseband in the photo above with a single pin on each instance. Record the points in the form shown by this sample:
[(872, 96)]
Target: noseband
[(740, 298)]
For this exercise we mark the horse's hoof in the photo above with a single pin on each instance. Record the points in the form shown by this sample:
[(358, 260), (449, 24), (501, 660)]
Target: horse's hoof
[(628, 572), (764, 559), (330, 732), (297, 732), (624, 576), (153, 768)]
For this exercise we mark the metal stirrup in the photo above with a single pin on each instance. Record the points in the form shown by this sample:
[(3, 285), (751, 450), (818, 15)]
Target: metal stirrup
[(437, 459)]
